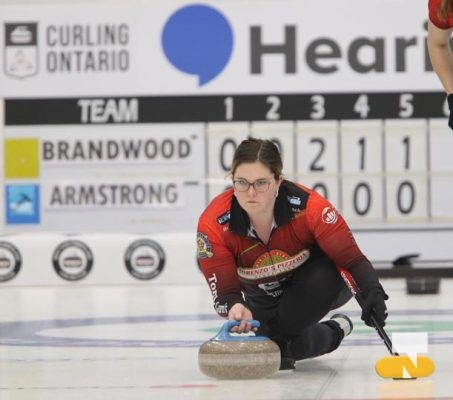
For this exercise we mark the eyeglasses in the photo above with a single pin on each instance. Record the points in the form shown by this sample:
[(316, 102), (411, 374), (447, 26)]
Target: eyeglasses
[(260, 185)]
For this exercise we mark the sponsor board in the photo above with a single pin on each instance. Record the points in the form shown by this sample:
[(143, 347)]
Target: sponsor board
[(56, 259), (10, 261), (162, 48), (72, 260), (123, 101), (144, 259)]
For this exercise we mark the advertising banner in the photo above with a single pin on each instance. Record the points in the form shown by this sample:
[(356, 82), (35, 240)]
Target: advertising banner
[(123, 118), (215, 47)]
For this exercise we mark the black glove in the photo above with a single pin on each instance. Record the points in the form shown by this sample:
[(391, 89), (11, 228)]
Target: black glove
[(374, 302), (373, 295), (450, 106)]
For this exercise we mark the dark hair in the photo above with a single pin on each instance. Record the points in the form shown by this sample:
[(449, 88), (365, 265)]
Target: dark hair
[(252, 150), (445, 9)]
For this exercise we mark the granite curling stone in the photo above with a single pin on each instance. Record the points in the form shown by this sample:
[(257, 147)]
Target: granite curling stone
[(240, 356)]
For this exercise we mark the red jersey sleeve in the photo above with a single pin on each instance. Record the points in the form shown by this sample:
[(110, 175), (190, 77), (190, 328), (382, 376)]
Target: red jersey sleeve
[(217, 262), (335, 238), (331, 231), (433, 7)]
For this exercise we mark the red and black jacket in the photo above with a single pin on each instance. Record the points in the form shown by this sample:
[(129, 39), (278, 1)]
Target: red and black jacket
[(237, 265)]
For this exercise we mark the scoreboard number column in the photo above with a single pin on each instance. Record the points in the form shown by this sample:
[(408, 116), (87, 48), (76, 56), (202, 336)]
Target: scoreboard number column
[(223, 140), (361, 170), (406, 157), (441, 159), (282, 134), (317, 158)]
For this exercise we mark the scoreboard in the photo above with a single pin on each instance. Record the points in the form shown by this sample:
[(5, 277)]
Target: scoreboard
[(384, 159), (125, 123)]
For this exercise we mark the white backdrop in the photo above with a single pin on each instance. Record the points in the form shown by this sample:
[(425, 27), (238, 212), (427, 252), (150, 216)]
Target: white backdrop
[(120, 120), (315, 50)]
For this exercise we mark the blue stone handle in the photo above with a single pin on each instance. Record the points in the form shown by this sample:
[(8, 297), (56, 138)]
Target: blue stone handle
[(226, 336)]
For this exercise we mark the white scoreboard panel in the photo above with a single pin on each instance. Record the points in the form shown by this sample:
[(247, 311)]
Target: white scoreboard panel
[(378, 172), (384, 159)]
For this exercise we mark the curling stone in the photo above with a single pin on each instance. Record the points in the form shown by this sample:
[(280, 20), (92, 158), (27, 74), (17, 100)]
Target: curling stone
[(239, 356)]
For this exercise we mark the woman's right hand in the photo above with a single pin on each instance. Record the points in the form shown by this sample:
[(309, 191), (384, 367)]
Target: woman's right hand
[(239, 312)]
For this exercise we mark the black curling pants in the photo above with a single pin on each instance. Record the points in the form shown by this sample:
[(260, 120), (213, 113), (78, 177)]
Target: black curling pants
[(315, 289)]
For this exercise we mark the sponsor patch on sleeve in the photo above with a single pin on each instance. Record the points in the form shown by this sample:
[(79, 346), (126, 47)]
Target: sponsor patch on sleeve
[(204, 247), (329, 215), (224, 218)]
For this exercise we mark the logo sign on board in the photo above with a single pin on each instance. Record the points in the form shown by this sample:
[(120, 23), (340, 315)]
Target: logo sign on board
[(21, 49), (10, 261)]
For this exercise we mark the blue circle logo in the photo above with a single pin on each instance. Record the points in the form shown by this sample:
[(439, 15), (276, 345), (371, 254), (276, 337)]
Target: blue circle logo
[(198, 40)]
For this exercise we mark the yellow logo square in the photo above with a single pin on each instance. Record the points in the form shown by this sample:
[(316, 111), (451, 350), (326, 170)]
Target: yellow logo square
[(21, 158)]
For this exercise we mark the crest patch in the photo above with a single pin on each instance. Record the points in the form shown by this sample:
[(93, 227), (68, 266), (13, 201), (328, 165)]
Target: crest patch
[(204, 248)]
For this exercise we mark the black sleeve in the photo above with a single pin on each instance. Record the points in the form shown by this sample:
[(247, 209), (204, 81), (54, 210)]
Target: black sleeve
[(364, 274)]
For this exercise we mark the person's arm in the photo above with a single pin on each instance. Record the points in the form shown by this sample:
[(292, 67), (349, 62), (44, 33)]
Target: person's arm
[(441, 55), (219, 269), (335, 238)]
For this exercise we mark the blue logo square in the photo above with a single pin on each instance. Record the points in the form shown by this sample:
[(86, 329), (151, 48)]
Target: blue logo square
[(22, 204)]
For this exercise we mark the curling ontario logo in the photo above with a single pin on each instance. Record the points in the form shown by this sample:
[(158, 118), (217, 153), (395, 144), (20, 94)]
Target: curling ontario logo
[(65, 48), (10, 261), (72, 260), (145, 259), (21, 49)]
